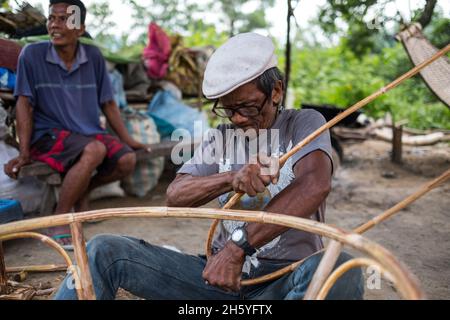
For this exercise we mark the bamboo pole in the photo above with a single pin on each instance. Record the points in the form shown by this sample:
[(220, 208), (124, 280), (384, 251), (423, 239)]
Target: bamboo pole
[(37, 269), (234, 200), (403, 204), (3, 278), (324, 269), (86, 290)]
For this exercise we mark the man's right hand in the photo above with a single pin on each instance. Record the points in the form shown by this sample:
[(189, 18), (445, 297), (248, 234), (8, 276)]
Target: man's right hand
[(254, 178), (13, 167)]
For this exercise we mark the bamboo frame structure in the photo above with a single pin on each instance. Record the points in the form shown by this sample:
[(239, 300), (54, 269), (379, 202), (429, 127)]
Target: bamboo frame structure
[(406, 282), (326, 265)]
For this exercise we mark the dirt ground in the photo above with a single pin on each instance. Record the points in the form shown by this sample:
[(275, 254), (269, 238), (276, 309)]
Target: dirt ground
[(366, 185)]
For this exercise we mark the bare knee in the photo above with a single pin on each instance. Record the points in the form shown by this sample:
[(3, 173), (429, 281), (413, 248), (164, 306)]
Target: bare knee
[(94, 153), (126, 164)]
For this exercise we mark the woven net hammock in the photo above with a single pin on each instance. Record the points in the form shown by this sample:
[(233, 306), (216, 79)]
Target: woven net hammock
[(437, 75)]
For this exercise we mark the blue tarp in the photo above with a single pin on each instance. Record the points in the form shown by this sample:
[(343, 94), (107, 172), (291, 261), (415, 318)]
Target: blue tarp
[(7, 79), (170, 113), (119, 93)]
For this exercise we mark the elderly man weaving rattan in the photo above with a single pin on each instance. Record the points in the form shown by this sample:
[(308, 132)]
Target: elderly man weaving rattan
[(243, 78)]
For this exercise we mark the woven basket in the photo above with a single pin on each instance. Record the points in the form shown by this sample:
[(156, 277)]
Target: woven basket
[(9, 54)]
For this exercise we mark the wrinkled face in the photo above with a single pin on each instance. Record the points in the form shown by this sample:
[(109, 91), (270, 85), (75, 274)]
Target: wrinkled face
[(58, 28), (249, 96)]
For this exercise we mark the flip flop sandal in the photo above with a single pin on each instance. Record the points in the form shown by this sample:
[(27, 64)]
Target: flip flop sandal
[(67, 247)]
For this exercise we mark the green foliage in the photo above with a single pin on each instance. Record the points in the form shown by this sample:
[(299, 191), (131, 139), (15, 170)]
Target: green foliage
[(439, 31), (4, 5), (207, 36), (337, 76), (102, 24), (366, 25), (110, 56), (173, 15), (238, 21), (365, 60)]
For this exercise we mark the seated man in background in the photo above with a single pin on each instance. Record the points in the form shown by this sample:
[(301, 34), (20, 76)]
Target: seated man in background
[(242, 76), (62, 86)]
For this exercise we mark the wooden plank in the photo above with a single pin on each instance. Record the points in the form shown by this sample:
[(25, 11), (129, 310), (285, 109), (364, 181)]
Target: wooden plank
[(36, 169), (163, 149), (7, 96)]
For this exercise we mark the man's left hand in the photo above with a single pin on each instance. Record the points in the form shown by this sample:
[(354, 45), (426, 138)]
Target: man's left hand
[(224, 270)]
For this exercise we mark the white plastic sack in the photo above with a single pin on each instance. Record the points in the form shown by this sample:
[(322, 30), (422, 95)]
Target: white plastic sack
[(112, 190), (28, 191), (3, 127), (147, 173)]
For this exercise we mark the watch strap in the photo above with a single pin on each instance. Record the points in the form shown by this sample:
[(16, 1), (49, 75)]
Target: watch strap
[(245, 245)]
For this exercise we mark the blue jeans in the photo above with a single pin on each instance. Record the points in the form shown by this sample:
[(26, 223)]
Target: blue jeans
[(155, 273)]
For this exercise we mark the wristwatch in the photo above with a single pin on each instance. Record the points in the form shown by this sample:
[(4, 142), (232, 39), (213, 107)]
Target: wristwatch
[(240, 238)]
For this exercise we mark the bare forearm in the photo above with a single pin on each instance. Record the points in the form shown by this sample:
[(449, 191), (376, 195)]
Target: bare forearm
[(191, 192), (24, 117), (112, 114)]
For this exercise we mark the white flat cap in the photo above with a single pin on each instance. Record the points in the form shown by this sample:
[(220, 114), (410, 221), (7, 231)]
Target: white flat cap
[(239, 61)]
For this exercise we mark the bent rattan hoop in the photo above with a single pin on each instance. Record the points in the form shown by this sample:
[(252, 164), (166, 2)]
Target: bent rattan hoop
[(50, 243), (344, 268), (405, 282), (44, 239)]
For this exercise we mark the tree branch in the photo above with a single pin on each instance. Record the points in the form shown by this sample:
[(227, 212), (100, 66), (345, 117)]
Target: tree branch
[(288, 51), (427, 15)]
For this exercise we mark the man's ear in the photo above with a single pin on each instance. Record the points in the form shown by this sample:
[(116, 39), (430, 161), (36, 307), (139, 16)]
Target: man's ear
[(81, 31), (278, 93)]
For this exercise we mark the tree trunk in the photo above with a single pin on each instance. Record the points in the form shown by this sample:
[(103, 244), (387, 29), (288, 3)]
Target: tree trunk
[(288, 50), (397, 144), (232, 28), (427, 14)]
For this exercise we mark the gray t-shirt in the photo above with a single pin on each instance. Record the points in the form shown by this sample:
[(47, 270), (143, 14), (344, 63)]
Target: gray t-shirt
[(292, 127)]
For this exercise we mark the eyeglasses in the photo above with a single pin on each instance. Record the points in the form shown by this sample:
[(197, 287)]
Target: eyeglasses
[(247, 112)]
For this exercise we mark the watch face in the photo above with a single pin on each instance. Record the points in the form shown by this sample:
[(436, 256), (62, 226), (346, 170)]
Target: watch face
[(238, 235)]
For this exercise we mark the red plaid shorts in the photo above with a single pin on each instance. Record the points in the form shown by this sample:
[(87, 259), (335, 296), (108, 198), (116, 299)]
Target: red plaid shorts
[(61, 149)]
